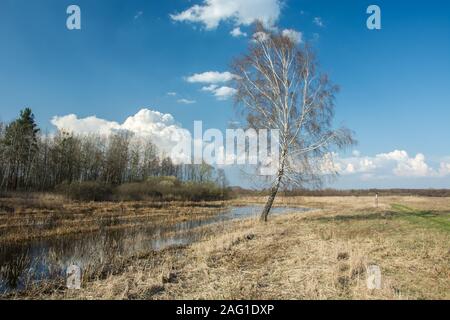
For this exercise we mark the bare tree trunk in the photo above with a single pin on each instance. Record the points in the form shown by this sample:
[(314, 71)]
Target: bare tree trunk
[(269, 203), (275, 188)]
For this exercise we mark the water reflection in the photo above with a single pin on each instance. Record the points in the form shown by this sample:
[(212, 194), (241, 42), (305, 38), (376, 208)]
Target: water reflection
[(46, 259)]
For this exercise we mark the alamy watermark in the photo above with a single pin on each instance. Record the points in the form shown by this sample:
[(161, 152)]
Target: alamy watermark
[(374, 20), (236, 147), (73, 21), (73, 274), (373, 277)]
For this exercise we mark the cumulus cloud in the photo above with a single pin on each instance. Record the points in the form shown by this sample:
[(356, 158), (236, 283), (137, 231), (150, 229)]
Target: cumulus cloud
[(295, 36), (237, 32), (211, 77), (413, 167), (86, 125), (161, 129), (397, 163), (444, 169), (240, 12)]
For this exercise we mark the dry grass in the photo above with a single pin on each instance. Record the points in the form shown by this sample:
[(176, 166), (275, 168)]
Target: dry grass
[(46, 215), (322, 254)]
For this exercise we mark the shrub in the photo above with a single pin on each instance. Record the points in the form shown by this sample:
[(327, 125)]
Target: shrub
[(85, 191), (155, 188), (137, 191), (170, 189)]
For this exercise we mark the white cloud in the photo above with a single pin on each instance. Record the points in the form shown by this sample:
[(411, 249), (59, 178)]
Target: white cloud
[(413, 167), (87, 125), (444, 169), (318, 22), (211, 77), (396, 169), (210, 88), (172, 94), (237, 32), (160, 128), (295, 36), (240, 12), (397, 155), (221, 93), (397, 163), (186, 101)]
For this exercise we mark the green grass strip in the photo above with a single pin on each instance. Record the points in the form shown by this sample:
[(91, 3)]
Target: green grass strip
[(426, 218)]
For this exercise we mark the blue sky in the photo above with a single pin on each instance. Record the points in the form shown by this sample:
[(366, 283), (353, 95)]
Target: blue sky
[(130, 54)]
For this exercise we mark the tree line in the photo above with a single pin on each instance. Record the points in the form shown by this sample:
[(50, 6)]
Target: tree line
[(344, 192), (33, 161)]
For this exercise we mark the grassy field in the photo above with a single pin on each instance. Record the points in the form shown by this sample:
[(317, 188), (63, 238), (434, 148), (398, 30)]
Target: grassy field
[(321, 254)]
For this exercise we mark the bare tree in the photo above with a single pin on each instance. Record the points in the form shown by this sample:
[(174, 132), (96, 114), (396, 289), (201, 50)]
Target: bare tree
[(116, 158), (32, 161), (280, 87)]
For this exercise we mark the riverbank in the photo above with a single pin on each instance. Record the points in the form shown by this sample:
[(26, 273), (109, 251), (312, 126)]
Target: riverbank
[(322, 254)]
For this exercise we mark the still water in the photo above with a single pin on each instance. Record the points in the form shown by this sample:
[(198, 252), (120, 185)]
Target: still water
[(47, 259)]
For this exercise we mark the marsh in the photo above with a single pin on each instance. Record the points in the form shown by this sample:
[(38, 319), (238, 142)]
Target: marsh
[(118, 237)]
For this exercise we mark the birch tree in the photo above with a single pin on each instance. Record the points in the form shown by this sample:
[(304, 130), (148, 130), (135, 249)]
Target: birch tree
[(279, 86)]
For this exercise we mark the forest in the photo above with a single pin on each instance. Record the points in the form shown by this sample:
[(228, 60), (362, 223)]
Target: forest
[(93, 167)]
